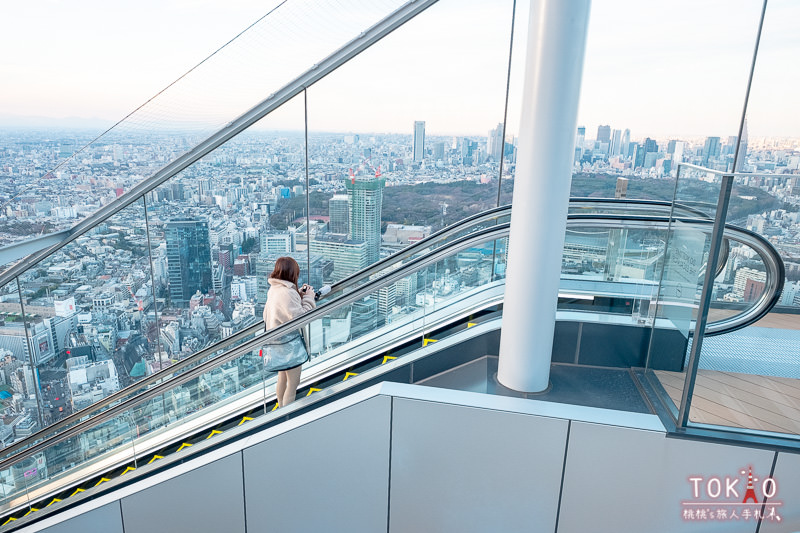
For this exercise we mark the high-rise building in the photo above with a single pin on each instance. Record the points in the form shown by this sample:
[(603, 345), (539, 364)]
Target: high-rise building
[(386, 301), (616, 143), (365, 195), (364, 317), (419, 140), (650, 145), (625, 143), (604, 134), (495, 143), (348, 256), (277, 242), (742, 155), (580, 142), (339, 215), (710, 150), (188, 259)]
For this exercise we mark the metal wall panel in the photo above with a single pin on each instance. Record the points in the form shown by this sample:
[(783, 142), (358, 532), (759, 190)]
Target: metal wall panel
[(622, 479), (463, 469), (329, 475), (787, 476), (206, 499), (105, 519)]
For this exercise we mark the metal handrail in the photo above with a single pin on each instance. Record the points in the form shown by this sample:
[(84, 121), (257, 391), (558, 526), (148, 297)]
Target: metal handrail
[(162, 382)]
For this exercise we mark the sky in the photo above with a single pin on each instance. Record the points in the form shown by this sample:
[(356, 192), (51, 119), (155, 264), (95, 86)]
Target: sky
[(661, 69)]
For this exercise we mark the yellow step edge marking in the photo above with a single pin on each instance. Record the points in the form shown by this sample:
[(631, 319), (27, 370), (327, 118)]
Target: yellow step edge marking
[(275, 406), (213, 432), (55, 500), (426, 341), (244, 419), (129, 469), (184, 445), (312, 390), (349, 375), (387, 358), (10, 519), (78, 490), (33, 510), (102, 479), (470, 324), (155, 458)]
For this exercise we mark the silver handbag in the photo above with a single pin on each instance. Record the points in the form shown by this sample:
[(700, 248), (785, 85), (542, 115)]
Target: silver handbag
[(284, 352)]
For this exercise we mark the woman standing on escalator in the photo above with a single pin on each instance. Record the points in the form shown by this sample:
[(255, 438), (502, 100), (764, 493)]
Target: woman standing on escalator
[(285, 302)]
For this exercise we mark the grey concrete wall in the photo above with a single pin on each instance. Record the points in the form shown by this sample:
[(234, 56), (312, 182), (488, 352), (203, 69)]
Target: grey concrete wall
[(621, 479), (408, 465), (463, 469), (787, 499)]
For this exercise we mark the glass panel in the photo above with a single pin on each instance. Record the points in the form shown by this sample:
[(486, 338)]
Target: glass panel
[(681, 283), (392, 162), (91, 317), (217, 228), (750, 378), (61, 179), (20, 389)]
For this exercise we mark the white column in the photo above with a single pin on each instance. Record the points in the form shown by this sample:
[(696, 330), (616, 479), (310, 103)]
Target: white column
[(554, 65)]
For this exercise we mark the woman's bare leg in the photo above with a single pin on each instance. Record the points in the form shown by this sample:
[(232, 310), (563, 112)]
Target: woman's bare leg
[(280, 388), (293, 380)]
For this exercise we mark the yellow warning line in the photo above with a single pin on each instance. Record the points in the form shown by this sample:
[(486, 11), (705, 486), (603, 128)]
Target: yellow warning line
[(78, 490), (470, 324), (33, 510), (213, 432), (184, 445), (275, 406), (312, 390), (425, 341), (10, 519), (349, 375), (387, 358), (129, 469), (55, 500), (102, 479), (155, 458), (244, 419)]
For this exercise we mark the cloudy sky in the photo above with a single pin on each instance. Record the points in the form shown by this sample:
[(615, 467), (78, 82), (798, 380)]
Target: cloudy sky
[(676, 68)]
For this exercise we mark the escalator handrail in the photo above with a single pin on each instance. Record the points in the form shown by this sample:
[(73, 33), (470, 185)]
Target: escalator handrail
[(465, 242), (494, 214), (762, 307)]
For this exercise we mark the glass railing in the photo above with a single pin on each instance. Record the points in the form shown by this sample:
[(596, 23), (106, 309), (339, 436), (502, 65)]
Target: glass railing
[(94, 170), (406, 302), (407, 297)]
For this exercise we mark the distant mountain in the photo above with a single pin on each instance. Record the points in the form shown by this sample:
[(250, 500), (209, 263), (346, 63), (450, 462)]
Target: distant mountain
[(8, 121)]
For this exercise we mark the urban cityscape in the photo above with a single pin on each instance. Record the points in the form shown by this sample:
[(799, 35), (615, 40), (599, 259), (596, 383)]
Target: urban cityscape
[(187, 265)]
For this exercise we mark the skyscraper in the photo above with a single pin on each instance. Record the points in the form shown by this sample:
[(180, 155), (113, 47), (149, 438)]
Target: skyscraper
[(625, 143), (365, 195), (710, 150), (188, 259), (616, 142), (339, 216), (604, 134), (495, 143), (419, 140), (348, 256), (742, 156)]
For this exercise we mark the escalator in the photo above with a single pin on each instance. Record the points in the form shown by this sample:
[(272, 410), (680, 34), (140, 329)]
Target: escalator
[(451, 287)]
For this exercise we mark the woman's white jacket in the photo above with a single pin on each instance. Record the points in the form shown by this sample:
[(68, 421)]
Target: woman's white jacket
[(284, 303)]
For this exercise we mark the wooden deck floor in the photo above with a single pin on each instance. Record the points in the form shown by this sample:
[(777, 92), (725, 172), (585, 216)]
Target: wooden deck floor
[(740, 400)]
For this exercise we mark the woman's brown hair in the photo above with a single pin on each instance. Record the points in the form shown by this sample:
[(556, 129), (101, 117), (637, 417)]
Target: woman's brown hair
[(286, 269)]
